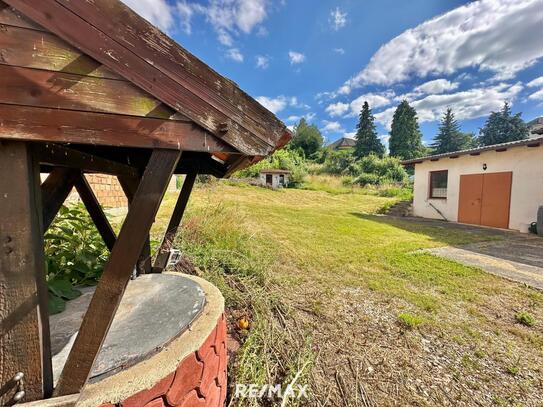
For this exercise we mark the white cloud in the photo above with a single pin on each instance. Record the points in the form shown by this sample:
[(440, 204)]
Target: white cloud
[(536, 82), (296, 57), (339, 51), (275, 105), (468, 104), (234, 54), (337, 109), (296, 118), (537, 95), (157, 12), (353, 108), (332, 127), (338, 19), (262, 61), (184, 13), (498, 36), (436, 86)]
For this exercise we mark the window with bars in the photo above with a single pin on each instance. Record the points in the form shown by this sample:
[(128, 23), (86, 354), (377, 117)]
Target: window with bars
[(438, 184)]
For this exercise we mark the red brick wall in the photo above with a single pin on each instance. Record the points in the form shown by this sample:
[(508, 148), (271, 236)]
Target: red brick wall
[(200, 379), (108, 190)]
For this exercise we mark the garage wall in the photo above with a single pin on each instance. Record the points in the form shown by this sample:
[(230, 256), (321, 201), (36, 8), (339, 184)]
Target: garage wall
[(526, 163)]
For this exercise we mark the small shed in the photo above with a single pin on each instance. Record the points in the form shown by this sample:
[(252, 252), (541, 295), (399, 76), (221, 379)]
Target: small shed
[(90, 87), (498, 186), (274, 178)]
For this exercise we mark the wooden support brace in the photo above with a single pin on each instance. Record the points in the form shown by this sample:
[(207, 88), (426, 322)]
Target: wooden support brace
[(95, 211), (54, 190), (164, 250), (24, 339), (112, 284), (129, 186)]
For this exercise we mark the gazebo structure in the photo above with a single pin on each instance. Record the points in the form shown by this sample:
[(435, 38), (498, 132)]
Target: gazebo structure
[(91, 87)]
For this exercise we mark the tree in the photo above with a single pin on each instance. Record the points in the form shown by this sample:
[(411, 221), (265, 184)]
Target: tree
[(405, 136), (367, 141), (502, 127), (306, 137), (449, 137)]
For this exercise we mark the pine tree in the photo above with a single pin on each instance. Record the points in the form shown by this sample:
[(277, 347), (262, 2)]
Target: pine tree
[(367, 141), (502, 127), (405, 136), (450, 138)]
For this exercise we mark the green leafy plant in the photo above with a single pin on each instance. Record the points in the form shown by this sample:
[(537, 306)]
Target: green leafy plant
[(75, 255), (410, 321), (525, 318)]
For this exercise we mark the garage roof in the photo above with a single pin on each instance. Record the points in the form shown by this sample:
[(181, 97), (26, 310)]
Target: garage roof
[(531, 142)]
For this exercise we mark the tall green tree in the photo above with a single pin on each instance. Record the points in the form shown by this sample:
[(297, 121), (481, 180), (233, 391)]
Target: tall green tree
[(502, 127), (307, 137), (367, 141), (405, 136), (450, 138)]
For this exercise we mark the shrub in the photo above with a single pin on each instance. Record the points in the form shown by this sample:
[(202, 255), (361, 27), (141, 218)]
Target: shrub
[(379, 171), (75, 254), (525, 318), (285, 159), (341, 162)]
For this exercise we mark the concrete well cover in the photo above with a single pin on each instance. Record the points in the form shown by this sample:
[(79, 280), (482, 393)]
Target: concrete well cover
[(155, 309)]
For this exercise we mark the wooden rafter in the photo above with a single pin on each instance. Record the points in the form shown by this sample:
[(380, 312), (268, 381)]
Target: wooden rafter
[(118, 269), (54, 191), (95, 211), (169, 236)]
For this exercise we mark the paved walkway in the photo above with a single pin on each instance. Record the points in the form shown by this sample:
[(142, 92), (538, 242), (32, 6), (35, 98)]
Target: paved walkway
[(517, 256)]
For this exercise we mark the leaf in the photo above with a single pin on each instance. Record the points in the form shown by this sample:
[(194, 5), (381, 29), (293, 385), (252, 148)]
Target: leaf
[(64, 289), (56, 304)]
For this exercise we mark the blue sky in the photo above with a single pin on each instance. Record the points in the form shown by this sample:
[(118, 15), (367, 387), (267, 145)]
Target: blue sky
[(322, 59)]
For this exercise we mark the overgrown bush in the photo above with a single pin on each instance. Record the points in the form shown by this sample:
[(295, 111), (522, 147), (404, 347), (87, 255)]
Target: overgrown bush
[(339, 162), (284, 159), (379, 171), (75, 254)]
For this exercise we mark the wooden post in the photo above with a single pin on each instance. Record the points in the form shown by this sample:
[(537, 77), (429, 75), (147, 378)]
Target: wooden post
[(177, 215), (54, 190), (24, 340), (95, 211), (129, 186), (117, 272)]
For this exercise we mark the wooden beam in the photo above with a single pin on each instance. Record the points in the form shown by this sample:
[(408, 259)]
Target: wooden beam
[(95, 211), (66, 126), (60, 90), (60, 156), (143, 265), (169, 236), (118, 269), (134, 49), (25, 341), (54, 191)]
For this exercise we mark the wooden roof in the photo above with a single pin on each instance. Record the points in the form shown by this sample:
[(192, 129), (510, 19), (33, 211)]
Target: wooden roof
[(131, 47)]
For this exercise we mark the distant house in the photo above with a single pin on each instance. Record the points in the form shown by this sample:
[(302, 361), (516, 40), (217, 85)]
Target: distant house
[(274, 178), (498, 186), (536, 127), (344, 143)]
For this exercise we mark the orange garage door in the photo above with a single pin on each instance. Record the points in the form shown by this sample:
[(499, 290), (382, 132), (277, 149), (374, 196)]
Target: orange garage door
[(485, 199)]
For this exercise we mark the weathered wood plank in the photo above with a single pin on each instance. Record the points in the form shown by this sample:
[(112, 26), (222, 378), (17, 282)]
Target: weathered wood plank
[(64, 401), (43, 50), (12, 17), (95, 211), (130, 186), (59, 90), (58, 155), (147, 73), (118, 269), (25, 343), (177, 214), (53, 125), (54, 191)]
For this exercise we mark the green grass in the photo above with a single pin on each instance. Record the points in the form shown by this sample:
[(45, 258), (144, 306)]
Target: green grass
[(286, 258)]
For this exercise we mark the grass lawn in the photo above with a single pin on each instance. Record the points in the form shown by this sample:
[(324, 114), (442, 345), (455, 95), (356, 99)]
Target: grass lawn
[(340, 299)]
